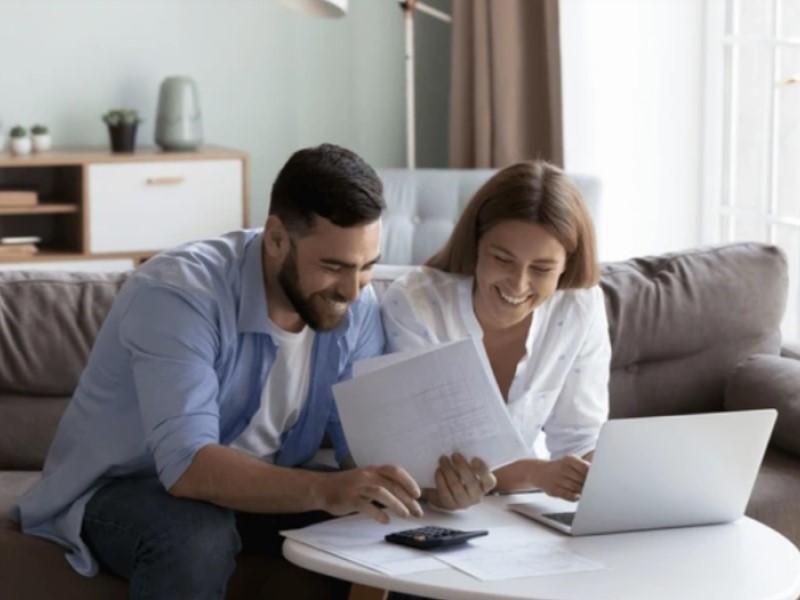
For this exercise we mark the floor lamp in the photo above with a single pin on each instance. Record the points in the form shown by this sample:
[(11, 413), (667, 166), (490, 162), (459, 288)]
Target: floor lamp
[(338, 8)]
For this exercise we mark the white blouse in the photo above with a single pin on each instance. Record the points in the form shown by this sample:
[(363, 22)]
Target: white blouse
[(561, 383)]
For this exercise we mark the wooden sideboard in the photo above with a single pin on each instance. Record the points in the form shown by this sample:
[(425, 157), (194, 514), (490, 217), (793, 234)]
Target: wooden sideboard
[(103, 211)]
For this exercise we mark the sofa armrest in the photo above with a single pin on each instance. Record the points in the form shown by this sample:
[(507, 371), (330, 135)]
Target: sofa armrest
[(769, 381), (791, 350)]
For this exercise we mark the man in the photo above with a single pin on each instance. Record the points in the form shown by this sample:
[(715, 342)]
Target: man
[(209, 380)]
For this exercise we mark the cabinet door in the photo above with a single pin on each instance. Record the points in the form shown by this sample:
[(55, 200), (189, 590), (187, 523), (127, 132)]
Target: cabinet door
[(148, 206)]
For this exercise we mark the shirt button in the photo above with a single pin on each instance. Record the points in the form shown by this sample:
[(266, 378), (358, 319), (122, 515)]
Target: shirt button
[(416, 220)]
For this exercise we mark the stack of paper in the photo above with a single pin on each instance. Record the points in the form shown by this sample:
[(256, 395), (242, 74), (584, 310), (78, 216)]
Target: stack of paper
[(18, 247)]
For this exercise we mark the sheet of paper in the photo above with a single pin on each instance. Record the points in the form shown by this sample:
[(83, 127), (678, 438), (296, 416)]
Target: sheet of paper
[(427, 405), (507, 553), (360, 540)]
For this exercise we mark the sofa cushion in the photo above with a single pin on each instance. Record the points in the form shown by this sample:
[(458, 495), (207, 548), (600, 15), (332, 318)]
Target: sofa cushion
[(680, 322), (765, 381), (27, 427), (48, 322), (34, 569)]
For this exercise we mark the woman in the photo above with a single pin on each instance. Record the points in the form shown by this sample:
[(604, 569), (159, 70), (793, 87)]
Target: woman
[(519, 273)]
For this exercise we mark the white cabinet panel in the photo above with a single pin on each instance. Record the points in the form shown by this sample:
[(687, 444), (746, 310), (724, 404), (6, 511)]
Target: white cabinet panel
[(149, 206)]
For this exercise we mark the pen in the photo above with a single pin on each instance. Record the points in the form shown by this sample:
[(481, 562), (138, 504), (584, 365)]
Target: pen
[(505, 493)]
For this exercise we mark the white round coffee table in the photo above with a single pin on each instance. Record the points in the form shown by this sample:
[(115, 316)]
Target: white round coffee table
[(744, 560)]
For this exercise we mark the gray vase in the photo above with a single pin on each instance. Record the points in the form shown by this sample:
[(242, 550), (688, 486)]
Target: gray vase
[(179, 124)]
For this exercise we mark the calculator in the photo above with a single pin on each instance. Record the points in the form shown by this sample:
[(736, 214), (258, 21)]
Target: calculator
[(433, 537)]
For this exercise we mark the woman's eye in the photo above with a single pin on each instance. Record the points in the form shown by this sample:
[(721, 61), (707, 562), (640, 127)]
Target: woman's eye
[(332, 268), (540, 269), (502, 261)]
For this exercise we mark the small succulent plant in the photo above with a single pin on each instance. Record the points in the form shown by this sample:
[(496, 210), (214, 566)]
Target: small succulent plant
[(18, 132), (39, 130), (121, 116)]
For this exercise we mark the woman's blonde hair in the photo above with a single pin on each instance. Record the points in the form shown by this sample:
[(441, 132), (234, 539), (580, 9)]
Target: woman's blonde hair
[(533, 192)]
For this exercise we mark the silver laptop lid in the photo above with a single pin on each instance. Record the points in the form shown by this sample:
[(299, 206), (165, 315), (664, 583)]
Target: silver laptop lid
[(673, 471)]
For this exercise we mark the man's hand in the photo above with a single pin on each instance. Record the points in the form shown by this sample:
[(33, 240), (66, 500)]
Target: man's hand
[(563, 478), (460, 484), (356, 490)]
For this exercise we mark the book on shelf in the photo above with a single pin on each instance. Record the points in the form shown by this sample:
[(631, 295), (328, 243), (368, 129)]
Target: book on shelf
[(17, 250), (18, 198)]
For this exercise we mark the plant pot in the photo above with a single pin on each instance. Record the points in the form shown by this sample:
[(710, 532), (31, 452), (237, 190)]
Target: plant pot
[(42, 142), (20, 146), (123, 138)]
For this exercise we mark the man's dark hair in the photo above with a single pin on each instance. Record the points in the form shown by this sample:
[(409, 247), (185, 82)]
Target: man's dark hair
[(327, 181)]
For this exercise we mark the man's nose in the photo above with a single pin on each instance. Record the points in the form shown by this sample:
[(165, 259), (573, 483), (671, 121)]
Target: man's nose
[(350, 286)]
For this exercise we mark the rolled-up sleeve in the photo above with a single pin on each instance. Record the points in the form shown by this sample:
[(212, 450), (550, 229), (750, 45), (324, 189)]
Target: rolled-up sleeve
[(173, 346), (582, 404)]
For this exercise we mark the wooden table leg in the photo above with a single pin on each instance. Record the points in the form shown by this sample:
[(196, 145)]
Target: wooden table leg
[(365, 592)]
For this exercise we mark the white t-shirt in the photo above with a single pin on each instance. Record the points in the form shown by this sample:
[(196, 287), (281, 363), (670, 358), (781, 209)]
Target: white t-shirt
[(283, 395), (561, 383)]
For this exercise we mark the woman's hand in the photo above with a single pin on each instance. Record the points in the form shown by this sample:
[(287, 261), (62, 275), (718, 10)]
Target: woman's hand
[(563, 478), (460, 484)]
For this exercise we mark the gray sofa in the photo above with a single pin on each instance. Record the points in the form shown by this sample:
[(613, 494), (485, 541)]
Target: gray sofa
[(691, 332)]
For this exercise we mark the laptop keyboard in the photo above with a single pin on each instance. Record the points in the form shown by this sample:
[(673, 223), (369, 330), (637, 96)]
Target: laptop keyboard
[(564, 517)]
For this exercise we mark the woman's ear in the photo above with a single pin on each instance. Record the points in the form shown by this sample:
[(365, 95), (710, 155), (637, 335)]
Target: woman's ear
[(276, 238)]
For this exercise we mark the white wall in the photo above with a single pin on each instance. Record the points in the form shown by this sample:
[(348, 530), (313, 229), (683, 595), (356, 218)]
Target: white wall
[(633, 101), (271, 80)]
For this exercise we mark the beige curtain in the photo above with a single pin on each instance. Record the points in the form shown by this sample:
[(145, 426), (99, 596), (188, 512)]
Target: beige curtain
[(505, 95)]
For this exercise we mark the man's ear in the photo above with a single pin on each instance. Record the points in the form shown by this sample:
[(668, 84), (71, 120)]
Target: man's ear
[(276, 237)]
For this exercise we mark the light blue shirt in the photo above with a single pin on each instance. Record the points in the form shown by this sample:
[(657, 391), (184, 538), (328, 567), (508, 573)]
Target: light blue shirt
[(178, 364)]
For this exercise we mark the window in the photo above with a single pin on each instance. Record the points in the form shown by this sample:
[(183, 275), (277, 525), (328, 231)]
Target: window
[(752, 143)]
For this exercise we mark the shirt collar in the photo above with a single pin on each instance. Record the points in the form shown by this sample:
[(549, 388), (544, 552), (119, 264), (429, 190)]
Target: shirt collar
[(253, 301)]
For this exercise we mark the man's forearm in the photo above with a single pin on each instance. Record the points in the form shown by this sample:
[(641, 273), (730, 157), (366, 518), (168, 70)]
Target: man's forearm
[(231, 479)]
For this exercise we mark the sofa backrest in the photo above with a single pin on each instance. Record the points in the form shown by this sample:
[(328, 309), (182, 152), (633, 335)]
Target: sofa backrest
[(679, 323), (424, 204), (48, 323)]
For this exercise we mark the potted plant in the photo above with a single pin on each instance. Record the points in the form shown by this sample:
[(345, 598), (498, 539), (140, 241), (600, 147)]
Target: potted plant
[(20, 142), (122, 124), (40, 136)]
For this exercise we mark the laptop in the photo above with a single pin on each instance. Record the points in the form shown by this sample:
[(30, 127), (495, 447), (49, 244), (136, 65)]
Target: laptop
[(658, 472)]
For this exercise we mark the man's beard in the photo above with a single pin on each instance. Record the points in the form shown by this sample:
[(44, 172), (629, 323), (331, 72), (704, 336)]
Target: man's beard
[(289, 280)]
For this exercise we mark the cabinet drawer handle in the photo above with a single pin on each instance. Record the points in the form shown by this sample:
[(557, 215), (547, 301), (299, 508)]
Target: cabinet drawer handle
[(165, 180)]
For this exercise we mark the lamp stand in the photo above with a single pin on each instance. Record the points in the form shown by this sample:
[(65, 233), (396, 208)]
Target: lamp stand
[(409, 6)]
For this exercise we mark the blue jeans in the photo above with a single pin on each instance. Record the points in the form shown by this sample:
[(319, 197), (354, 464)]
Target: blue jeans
[(173, 548)]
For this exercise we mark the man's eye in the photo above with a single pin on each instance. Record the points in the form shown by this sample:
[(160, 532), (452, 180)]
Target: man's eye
[(332, 268), (502, 260)]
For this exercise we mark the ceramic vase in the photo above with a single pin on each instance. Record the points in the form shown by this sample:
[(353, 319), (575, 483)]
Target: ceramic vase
[(179, 124)]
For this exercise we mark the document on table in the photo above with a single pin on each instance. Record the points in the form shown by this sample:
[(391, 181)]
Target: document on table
[(411, 408), (359, 539), (507, 553)]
